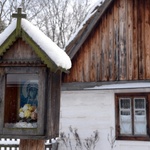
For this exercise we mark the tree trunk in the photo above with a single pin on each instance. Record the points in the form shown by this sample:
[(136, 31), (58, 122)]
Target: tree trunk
[(32, 145)]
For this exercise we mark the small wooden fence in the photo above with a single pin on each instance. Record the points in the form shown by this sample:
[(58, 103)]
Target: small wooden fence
[(13, 144)]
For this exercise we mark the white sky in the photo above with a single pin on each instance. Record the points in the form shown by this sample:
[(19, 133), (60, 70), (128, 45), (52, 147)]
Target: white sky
[(94, 1)]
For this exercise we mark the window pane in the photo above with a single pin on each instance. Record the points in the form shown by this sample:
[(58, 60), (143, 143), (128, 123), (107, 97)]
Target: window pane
[(125, 103), (139, 103), (125, 116), (21, 101), (140, 122)]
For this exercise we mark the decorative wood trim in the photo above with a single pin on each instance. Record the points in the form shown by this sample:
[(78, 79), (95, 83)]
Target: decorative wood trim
[(7, 43)]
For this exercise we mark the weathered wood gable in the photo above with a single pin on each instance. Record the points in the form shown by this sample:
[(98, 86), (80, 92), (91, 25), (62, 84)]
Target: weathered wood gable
[(117, 48), (20, 52)]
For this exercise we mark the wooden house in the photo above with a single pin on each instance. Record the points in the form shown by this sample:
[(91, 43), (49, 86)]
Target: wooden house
[(108, 85)]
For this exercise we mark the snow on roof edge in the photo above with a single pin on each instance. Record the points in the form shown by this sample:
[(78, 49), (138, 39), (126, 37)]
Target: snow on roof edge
[(92, 10), (57, 54), (5, 34), (121, 86)]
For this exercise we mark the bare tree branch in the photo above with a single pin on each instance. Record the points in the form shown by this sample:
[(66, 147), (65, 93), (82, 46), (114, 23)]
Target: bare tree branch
[(56, 18)]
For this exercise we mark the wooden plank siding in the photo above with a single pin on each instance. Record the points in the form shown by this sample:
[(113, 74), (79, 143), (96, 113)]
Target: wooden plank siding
[(129, 39), (134, 48), (118, 48), (147, 38), (122, 41), (116, 40)]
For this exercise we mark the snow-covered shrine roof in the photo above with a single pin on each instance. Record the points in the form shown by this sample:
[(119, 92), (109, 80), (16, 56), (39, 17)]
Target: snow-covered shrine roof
[(47, 46)]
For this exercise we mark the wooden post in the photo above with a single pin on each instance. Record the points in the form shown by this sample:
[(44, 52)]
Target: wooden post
[(32, 145)]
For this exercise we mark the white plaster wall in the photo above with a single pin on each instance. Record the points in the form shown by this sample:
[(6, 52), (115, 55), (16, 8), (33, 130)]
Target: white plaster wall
[(91, 110)]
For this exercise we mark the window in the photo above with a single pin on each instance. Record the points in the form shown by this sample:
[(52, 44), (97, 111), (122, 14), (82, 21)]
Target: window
[(22, 107), (132, 119), (21, 101)]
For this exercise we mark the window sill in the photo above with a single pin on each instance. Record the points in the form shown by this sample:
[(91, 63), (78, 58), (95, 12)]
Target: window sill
[(134, 138)]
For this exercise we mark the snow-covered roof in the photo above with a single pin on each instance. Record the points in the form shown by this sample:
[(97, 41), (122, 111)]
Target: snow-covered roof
[(77, 39), (91, 12), (56, 54)]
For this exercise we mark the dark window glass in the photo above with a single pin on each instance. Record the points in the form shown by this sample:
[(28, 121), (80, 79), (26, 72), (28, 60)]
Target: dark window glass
[(21, 100)]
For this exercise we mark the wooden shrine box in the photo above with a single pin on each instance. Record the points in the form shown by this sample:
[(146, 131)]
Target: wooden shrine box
[(30, 81)]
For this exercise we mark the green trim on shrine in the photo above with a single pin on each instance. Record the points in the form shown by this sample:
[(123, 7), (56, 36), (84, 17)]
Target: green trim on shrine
[(20, 33), (8, 42), (44, 57)]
